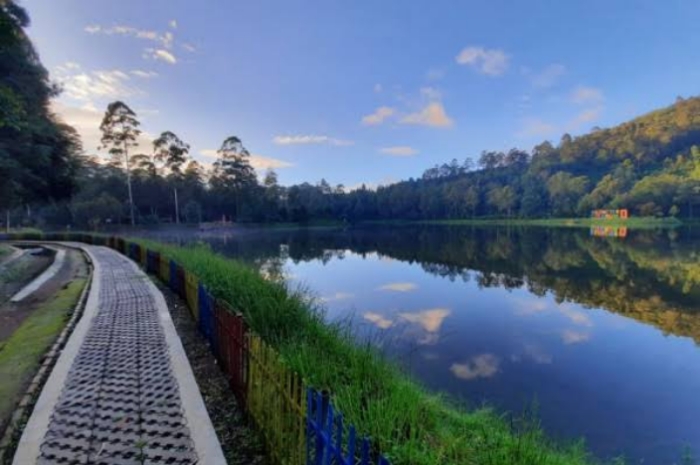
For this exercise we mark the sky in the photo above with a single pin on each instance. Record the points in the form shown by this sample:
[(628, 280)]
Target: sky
[(365, 91)]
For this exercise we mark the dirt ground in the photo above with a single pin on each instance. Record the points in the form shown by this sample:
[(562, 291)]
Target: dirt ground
[(241, 445), (13, 314)]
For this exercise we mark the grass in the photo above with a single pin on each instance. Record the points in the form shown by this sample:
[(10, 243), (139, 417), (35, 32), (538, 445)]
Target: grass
[(409, 424), (21, 353), (4, 251), (634, 222)]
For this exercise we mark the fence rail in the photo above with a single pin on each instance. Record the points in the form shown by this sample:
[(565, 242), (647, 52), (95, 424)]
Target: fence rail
[(298, 423)]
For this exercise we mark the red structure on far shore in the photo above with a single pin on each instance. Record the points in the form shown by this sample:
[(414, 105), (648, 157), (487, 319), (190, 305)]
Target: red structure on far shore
[(621, 214)]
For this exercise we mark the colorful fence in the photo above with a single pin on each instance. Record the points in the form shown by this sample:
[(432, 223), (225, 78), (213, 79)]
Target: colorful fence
[(299, 424)]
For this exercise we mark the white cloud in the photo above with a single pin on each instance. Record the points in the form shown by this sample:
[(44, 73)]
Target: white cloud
[(378, 117), (144, 74), (165, 39), (399, 151), (88, 85), (378, 320), (587, 95), (160, 54), (430, 320), (492, 62), (575, 316), (377, 88), (189, 47), (173, 23), (548, 76), (535, 127), (309, 140), (86, 120), (259, 162), (398, 287), (479, 366), (574, 337), (433, 115), (338, 296)]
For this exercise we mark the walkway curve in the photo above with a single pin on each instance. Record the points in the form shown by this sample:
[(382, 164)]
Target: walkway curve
[(122, 391)]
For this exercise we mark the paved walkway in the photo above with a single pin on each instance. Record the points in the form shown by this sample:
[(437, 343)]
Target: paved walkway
[(122, 391)]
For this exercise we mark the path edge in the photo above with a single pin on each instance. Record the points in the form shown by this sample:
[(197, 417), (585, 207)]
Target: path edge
[(29, 446)]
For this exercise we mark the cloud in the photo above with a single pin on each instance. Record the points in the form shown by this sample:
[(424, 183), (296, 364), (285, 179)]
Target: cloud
[(160, 54), (492, 62), (586, 116), (173, 23), (87, 85), (378, 117), (189, 47), (378, 320), (338, 296), (86, 120), (587, 95), (430, 320), (399, 151), (259, 162), (431, 93), (535, 127), (309, 140), (574, 337), (398, 287), (432, 115), (377, 88), (576, 317), (144, 74), (164, 39), (479, 366), (548, 76)]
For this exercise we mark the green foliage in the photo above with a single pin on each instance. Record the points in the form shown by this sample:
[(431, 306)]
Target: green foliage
[(38, 154)]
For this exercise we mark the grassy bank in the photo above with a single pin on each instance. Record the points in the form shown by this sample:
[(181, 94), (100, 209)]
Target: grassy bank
[(21, 353), (635, 222), (409, 424)]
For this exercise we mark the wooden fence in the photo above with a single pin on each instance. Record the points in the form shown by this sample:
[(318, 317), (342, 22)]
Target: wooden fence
[(298, 423)]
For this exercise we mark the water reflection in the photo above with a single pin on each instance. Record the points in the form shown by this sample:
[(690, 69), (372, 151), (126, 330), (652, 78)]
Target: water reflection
[(603, 332)]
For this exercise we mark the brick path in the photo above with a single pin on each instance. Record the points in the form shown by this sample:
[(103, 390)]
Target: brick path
[(120, 402)]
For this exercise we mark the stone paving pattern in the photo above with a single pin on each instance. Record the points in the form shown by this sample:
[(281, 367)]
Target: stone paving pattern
[(120, 403)]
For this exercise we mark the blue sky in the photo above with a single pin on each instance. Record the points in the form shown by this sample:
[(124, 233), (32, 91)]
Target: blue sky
[(366, 91)]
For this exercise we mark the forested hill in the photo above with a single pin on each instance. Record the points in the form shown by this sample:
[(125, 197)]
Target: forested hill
[(650, 165)]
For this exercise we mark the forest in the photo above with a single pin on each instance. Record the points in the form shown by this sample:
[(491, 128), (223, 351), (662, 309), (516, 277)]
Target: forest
[(649, 165)]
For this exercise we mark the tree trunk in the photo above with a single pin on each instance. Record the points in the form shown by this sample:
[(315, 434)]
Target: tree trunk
[(177, 207), (128, 183)]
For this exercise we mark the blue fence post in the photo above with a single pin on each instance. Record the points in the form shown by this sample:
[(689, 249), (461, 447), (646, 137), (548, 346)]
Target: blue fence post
[(206, 314), (173, 276)]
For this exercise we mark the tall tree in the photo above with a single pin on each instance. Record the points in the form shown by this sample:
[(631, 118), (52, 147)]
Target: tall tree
[(172, 151), (233, 173), (38, 154), (120, 129)]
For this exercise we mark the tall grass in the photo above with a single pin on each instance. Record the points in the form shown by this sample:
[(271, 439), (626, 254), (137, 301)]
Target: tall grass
[(408, 424)]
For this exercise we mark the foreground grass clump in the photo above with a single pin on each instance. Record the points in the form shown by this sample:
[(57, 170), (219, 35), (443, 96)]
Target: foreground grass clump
[(21, 353), (408, 424)]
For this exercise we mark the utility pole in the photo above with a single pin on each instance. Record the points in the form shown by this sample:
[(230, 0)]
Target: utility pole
[(7, 221)]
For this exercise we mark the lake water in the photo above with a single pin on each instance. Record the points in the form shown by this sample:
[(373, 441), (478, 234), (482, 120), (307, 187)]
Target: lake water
[(599, 335)]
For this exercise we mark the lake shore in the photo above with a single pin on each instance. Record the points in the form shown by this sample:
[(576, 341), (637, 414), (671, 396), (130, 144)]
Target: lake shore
[(409, 424)]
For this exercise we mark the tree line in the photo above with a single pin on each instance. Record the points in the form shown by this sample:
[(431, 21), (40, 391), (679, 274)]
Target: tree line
[(649, 165)]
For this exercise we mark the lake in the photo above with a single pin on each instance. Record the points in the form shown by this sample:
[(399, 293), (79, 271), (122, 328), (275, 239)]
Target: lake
[(597, 335)]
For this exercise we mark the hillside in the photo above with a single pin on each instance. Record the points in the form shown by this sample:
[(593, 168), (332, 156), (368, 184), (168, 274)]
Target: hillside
[(650, 165)]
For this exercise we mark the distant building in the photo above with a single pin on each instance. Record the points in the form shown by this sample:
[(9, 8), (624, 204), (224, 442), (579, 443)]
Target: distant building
[(621, 214)]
